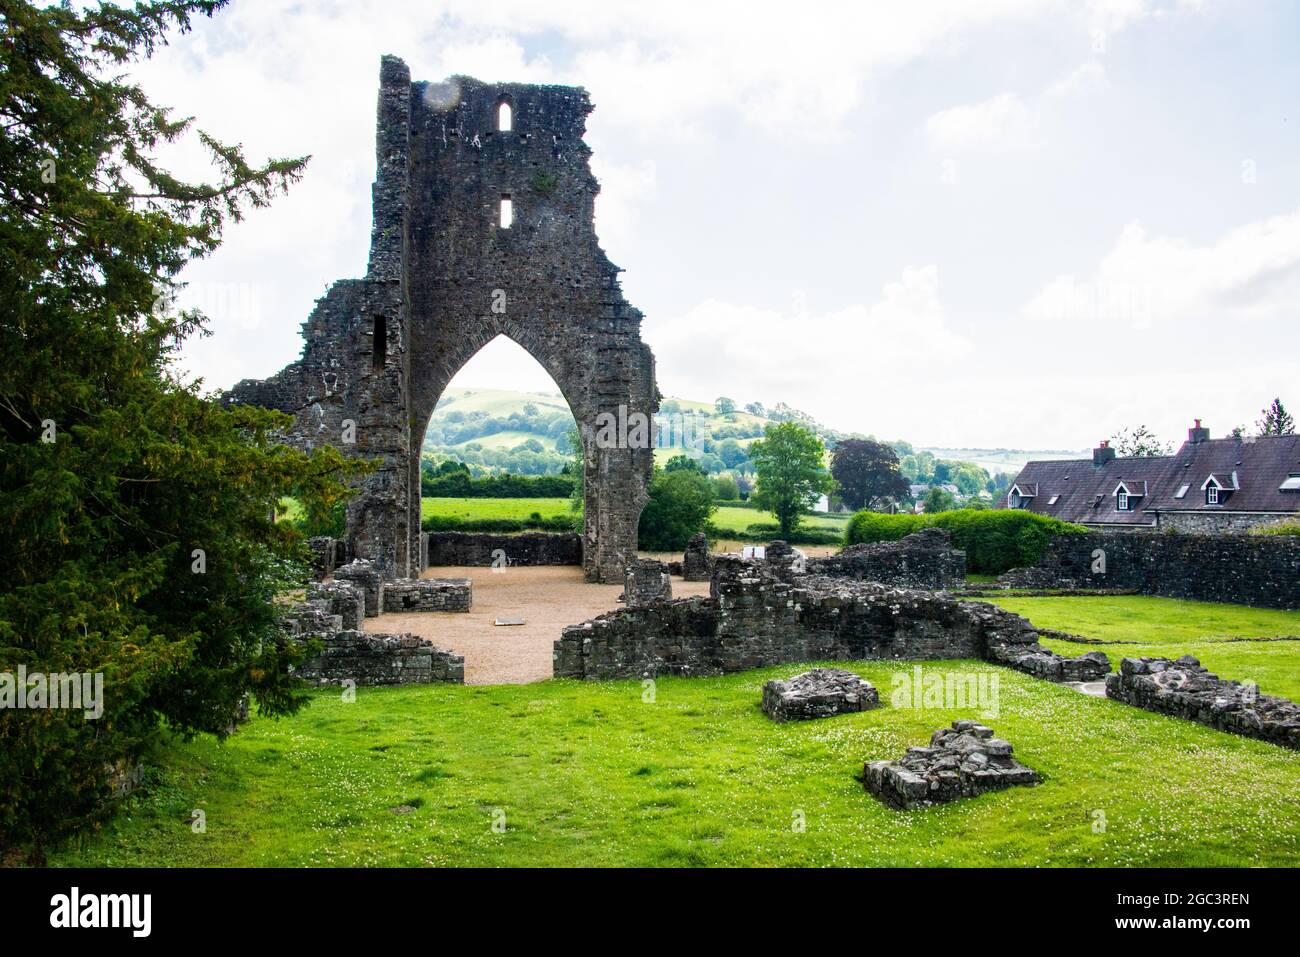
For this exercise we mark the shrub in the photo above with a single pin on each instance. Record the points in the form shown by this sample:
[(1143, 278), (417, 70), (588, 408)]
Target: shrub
[(680, 505), (994, 540), (502, 526), (460, 485), (1284, 526)]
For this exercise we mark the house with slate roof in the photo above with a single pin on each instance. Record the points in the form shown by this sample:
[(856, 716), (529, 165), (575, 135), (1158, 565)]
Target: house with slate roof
[(1208, 485)]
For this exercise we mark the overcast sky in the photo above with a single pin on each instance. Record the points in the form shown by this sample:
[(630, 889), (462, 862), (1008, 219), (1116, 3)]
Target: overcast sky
[(1018, 223)]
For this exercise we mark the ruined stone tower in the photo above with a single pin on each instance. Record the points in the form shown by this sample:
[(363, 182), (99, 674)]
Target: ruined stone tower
[(449, 271)]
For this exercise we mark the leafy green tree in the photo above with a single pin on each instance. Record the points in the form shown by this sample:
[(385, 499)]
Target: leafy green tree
[(725, 488), (1276, 421), (791, 475), (683, 463), (724, 406), (578, 469), (1139, 442), (138, 514), (867, 472), (681, 503), (732, 453), (756, 408), (938, 500)]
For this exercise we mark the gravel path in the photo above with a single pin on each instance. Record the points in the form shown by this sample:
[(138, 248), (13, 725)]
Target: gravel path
[(546, 597)]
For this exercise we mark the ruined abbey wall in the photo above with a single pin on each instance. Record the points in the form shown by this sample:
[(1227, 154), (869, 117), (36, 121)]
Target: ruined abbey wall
[(446, 276)]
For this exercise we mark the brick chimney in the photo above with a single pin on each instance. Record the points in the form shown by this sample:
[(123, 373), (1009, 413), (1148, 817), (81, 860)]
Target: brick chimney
[(1103, 453), (1198, 433)]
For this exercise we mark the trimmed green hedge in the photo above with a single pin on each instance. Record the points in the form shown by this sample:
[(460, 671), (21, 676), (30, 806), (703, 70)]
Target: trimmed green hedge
[(1285, 526), (460, 485), (535, 523), (994, 540), (771, 531)]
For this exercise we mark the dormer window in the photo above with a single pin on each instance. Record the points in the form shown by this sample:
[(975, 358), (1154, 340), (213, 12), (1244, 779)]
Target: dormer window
[(1126, 492), (1022, 496), (1216, 492)]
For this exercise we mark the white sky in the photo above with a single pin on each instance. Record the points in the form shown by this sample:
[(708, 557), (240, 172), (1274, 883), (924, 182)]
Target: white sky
[(1019, 223)]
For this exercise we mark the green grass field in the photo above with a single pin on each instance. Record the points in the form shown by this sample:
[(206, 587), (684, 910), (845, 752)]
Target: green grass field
[(726, 518), (467, 509), (733, 519), (588, 774), (1168, 628)]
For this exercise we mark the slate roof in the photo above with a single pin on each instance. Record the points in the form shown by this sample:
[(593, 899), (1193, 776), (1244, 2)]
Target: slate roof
[(1085, 493), (1261, 465)]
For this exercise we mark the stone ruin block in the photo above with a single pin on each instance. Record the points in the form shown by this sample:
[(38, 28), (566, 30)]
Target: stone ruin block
[(322, 556), (924, 559), (646, 583), (785, 560), (427, 594), (961, 761), (1184, 689), (819, 693), (365, 575), (696, 566), (424, 552), (342, 598)]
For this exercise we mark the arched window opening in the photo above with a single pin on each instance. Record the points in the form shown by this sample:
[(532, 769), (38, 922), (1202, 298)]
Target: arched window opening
[(505, 117)]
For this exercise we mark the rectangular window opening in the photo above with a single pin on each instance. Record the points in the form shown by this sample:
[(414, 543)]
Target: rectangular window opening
[(507, 212), (379, 344)]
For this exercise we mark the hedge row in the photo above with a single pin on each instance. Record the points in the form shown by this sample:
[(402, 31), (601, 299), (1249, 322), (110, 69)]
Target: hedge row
[(460, 485), (995, 540), (554, 523)]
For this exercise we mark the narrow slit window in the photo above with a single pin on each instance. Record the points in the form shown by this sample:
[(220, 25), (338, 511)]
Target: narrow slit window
[(379, 344), (507, 212), (505, 117)]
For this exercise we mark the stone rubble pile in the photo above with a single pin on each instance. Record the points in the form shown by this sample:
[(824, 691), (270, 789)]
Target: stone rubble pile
[(1184, 689), (819, 693), (961, 761)]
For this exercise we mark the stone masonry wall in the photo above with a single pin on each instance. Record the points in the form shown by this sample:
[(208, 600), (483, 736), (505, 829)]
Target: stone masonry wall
[(481, 550), (427, 594), (1262, 570), (924, 559), (1186, 690), (753, 619)]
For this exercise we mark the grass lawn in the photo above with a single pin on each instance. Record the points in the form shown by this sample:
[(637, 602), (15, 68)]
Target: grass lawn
[(732, 518), (474, 508), (589, 774), (1169, 627)]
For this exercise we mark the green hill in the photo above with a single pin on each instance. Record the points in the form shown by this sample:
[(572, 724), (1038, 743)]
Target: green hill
[(527, 433)]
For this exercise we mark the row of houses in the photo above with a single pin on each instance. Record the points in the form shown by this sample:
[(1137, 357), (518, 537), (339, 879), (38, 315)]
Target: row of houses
[(1208, 485)]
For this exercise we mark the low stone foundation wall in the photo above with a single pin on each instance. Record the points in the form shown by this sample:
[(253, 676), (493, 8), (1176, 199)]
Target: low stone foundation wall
[(375, 659), (483, 550), (1184, 689), (1259, 570), (333, 614), (427, 594), (754, 619), (924, 559)]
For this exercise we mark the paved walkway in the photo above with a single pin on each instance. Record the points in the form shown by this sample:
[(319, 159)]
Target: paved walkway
[(546, 597)]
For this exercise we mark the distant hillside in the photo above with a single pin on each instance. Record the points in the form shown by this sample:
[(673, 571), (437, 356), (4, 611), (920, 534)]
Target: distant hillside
[(1004, 460), (527, 433)]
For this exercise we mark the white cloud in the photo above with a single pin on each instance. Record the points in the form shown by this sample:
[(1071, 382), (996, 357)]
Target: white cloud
[(1001, 122), (1250, 274), (838, 365)]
